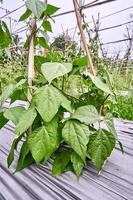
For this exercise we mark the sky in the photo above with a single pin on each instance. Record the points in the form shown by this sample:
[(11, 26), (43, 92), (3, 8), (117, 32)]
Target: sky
[(69, 21)]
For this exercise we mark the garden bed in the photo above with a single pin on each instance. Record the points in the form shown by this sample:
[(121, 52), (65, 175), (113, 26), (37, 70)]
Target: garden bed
[(114, 183)]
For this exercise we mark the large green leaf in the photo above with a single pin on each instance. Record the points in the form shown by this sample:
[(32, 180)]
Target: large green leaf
[(5, 37), (44, 141), (100, 84), (100, 147), (3, 120), (86, 114), (78, 163), (48, 99), (37, 7), (51, 10), (25, 158), (76, 135), (26, 120), (61, 162), (14, 114), (54, 70), (25, 15)]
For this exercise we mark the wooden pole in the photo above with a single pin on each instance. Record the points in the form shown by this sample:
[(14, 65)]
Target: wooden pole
[(45, 19), (83, 38), (31, 71)]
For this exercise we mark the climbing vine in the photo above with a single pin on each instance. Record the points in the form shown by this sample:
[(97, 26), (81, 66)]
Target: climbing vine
[(57, 123)]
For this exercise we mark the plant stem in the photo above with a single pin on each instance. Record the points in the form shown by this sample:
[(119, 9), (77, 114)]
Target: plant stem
[(85, 46), (63, 83)]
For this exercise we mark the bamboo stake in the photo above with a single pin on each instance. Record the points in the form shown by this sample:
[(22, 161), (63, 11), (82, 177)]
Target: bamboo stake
[(85, 46), (31, 71), (45, 19)]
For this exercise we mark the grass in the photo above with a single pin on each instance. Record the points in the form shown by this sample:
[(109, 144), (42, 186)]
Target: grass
[(121, 105)]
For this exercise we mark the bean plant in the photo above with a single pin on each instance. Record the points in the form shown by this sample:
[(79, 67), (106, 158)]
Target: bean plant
[(63, 121)]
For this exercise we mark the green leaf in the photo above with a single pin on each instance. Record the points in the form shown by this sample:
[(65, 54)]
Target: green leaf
[(39, 60), (25, 15), (14, 114), (65, 103), (5, 37), (81, 62), (100, 84), (43, 43), (51, 10), (69, 167), (78, 163), (10, 158), (76, 135), (48, 99), (44, 141), (100, 147), (8, 90), (86, 114), (37, 7), (78, 64), (108, 119), (19, 78), (25, 158), (3, 120), (53, 57), (11, 153), (54, 70), (26, 120), (19, 94), (39, 81), (47, 26), (20, 83), (60, 163)]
